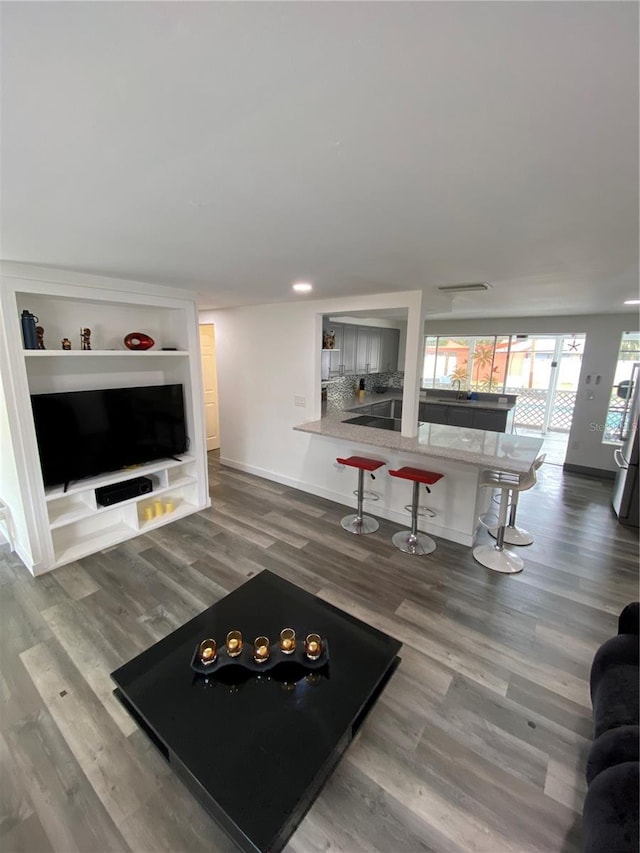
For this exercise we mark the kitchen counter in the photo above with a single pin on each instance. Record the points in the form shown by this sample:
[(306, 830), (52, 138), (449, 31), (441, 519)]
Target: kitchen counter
[(459, 453), (481, 448)]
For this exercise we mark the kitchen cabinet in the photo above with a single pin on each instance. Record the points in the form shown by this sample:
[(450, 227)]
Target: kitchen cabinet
[(459, 416), (431, 413), (360, 350), (367, 350), (389, 347), (349, 348), (490, 419)]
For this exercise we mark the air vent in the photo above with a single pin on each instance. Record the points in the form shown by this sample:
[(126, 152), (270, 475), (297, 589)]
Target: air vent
[(465, 288)]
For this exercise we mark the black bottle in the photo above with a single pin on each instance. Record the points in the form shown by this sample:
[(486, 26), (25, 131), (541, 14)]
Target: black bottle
[(29, 334)]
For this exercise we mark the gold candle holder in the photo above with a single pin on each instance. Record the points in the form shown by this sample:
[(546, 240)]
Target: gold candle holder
[(313, 646), (208, 651), (234, 644), (287, 641), (261, 649)]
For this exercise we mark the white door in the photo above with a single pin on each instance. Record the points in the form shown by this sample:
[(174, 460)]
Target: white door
[(210, 385)]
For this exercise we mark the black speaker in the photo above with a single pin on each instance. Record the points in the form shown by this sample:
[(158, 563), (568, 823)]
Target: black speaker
[(108, 495)]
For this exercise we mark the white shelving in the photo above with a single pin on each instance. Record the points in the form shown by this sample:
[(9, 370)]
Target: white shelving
[(50, 353), (63, 526)]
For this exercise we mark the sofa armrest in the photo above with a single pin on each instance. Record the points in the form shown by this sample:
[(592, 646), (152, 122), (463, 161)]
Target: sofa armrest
[(628, 619)]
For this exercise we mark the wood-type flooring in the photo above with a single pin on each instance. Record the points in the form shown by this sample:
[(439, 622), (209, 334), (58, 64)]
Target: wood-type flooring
[(478, 742)]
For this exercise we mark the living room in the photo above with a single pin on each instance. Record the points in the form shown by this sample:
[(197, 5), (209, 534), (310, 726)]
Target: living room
[(166, 165)]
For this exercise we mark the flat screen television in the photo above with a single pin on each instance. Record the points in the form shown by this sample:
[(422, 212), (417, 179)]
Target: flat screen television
[(86, 433)]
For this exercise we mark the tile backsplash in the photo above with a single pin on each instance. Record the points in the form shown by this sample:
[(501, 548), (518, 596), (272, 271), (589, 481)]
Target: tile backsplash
[(342, 389)]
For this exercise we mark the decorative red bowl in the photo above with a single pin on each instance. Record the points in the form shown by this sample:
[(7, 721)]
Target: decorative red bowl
[(138, 340)]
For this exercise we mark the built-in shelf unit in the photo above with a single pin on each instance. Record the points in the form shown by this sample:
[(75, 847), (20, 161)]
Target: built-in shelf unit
[(64, 525)]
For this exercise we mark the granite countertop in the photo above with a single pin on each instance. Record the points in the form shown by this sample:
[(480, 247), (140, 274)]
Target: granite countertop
[(484, 449)]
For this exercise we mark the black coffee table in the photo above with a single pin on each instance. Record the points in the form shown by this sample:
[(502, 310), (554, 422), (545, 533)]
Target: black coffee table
[(255, 750)]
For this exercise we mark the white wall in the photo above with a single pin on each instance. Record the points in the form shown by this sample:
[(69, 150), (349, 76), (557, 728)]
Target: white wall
[(267, 356), (10, 491), (602, 344)]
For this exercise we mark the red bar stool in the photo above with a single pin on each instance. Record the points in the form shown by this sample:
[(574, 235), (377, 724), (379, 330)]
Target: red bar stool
[(360, 523), (412, 542)]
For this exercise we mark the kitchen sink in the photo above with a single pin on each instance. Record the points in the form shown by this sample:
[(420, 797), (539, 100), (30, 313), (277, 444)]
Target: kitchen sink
[(394, 424)]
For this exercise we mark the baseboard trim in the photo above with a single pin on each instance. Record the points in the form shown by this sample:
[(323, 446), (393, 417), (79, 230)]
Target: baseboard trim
[(599, 473), (401, 518)]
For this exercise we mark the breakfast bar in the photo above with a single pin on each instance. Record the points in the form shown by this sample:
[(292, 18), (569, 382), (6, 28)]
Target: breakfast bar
[(458, 453)]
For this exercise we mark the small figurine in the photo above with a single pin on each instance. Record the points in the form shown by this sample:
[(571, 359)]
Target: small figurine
[(40, 337), (66, 343), (85, 339), (329, 340)]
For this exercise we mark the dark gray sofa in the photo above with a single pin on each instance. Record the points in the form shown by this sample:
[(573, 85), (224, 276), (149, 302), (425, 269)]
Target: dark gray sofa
[(611, 813)]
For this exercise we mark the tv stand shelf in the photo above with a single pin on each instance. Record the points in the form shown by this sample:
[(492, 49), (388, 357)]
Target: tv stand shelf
[(54, 493), (75, 505)]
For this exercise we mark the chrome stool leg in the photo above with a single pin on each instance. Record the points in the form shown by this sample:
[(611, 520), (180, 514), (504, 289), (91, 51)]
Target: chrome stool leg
[(513, 535), (497, 557), (359, 523), (411, 541)]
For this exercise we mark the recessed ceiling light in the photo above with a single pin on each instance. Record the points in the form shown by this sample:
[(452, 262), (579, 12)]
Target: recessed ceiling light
[(632, 301), (302, 287), (464, 288)]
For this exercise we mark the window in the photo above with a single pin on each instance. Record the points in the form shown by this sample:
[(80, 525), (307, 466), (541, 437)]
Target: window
[(474, 362), (625, 389)]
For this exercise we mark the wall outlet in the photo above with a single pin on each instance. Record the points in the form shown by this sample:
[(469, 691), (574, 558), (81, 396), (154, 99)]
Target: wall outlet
[(503, 399), (300, 401)]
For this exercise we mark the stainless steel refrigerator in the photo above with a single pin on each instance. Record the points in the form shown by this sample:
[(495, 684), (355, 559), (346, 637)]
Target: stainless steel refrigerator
[(625, 490)]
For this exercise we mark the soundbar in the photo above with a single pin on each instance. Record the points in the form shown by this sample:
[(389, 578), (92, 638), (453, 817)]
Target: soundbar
[(113, 494)]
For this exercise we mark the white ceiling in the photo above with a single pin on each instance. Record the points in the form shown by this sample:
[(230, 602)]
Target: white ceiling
[(234, 148)]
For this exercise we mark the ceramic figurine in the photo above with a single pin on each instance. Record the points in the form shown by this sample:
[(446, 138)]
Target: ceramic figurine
[(40, 337), (329, 341), (66, 343), (85, 338)]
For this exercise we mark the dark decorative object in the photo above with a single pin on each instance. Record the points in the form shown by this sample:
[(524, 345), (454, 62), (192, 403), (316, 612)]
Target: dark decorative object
[(261, 655), (85, 339), (66, 343), (29, 334), (138, 341), (40, 337), (611, 815)]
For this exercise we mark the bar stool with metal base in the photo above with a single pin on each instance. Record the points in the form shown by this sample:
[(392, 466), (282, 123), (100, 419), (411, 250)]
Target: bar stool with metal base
[(497, 557), (360, 523), (411, 541), (517, 535)]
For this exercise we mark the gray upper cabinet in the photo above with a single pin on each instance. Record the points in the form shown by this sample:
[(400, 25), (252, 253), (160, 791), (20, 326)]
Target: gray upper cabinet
[(362, 349), (349, 349), (389, 346)]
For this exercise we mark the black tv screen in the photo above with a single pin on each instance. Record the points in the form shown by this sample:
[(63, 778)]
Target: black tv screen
[(86, 433)]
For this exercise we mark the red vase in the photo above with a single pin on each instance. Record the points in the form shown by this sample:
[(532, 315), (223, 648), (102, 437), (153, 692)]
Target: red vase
[(138, 341)]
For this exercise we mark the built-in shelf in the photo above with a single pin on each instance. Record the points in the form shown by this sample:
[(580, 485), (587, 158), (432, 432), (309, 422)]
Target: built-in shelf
[(62, 526), (70, 353), (91, 483)]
